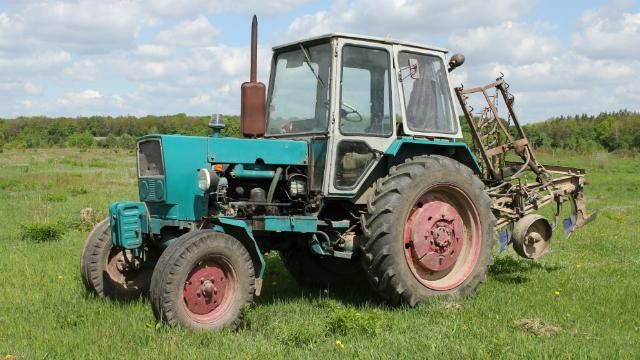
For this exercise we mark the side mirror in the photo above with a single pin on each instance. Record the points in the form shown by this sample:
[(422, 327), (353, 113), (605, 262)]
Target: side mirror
[(294, 61), (414, 69), (455, 61)]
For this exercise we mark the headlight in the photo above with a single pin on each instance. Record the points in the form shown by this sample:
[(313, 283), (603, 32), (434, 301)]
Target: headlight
[(204, 179), (207, 180)]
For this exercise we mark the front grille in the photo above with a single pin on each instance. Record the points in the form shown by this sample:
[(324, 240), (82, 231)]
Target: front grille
[(151, 190)]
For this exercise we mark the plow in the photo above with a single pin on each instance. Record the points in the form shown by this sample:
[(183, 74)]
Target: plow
[(517, 197)]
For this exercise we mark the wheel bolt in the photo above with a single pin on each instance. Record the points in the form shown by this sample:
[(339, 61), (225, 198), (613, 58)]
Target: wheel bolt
[(208, 289)]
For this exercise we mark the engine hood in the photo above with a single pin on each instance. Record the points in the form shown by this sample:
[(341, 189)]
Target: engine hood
[(257, 151)]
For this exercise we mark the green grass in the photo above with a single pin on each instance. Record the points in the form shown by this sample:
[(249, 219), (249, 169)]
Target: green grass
[(579, 301)]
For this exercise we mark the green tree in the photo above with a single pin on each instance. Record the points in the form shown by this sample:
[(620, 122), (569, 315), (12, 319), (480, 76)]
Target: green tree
[(82, 140), (126, 141)]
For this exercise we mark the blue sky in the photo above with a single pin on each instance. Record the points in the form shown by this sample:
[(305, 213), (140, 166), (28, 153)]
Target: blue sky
[(84, 57)]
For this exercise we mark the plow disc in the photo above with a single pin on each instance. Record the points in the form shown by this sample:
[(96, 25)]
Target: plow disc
[(517, 183)]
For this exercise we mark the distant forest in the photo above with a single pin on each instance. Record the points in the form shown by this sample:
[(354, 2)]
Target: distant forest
[(616, 131)]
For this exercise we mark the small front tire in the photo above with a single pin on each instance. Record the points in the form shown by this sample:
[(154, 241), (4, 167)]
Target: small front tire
[(203, 281)]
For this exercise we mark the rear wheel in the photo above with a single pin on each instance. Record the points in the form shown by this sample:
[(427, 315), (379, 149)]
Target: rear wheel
[(312, 270), (203, 281), (429, 231), (105, 271)]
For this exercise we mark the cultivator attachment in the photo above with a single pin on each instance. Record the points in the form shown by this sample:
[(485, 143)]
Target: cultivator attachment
[(516, 182)]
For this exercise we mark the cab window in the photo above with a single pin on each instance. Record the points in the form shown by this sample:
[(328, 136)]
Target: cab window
[(427, 97), (365, 101)]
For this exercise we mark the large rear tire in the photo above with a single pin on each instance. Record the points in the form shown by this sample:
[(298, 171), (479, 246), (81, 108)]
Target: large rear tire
[(99, 268), (203, 281), (429, 231)]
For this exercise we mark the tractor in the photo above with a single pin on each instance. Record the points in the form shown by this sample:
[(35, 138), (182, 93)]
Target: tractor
[(351, 167)]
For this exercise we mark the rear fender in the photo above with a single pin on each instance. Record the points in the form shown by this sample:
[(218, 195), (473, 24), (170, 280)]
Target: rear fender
[(404, 149)]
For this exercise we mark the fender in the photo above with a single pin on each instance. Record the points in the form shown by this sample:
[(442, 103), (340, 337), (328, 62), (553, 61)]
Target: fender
[(240, 230), (405, 148)]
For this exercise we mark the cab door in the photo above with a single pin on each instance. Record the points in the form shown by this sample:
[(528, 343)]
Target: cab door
[(363, 122)]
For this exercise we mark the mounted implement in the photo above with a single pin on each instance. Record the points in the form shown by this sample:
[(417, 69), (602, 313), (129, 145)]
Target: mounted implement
[(497, 142), (350, 168)]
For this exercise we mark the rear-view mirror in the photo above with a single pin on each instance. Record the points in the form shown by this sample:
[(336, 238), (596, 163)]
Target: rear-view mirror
[(414, 69), (294, 61)]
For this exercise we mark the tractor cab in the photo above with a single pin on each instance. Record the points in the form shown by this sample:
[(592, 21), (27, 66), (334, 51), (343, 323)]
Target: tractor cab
[(357, 95), (367, 87)]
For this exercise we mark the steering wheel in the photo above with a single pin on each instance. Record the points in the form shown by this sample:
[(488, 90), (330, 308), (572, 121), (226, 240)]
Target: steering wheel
[(350, 110)]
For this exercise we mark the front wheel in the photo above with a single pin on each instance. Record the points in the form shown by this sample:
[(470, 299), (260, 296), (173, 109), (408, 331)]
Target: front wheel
[(104, 270), (429, 231), (202, 282)]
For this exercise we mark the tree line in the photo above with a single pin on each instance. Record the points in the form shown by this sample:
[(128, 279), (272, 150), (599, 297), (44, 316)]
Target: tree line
[(102, 131), (606, 131)]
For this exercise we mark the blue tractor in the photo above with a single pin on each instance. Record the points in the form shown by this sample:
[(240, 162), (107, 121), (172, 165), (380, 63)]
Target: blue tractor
[(350, 167)]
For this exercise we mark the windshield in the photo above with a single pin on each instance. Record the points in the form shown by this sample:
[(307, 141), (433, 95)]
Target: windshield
[(300, 91)]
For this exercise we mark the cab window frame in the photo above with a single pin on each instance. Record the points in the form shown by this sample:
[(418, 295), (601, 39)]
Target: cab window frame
[(390, 70)]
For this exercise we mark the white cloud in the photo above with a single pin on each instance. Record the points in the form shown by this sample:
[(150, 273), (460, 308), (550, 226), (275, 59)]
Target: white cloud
[(32, 89), (601, 35), (510, 41), (154, 51), (40, 63), (570, 70), (80, 97), (185, 8), (82, 25), (198, 32), (402, 19), (86, 102), (198, 66), (26, 104)]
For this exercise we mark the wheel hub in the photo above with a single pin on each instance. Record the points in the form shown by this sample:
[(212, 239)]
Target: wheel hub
[(205, 288), (436, 235)]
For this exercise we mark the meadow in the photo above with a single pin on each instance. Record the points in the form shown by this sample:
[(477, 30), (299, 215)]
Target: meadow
[(581, 300)]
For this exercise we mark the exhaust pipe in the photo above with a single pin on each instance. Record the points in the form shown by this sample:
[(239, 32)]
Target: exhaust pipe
[(253, 108)]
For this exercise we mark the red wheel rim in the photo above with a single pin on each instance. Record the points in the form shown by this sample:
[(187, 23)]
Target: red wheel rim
[(442, 238), (208, 289)]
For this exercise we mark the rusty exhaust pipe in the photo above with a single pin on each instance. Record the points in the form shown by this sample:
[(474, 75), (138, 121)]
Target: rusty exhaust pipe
[(253, 108)]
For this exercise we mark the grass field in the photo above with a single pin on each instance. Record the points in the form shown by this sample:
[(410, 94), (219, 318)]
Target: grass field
[(582, 300)]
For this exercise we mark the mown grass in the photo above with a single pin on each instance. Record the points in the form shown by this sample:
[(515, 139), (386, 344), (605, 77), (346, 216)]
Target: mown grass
[(579, 301)]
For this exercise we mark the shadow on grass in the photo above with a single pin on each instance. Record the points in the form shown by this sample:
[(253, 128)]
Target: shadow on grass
[(279, 286), (513, 270)]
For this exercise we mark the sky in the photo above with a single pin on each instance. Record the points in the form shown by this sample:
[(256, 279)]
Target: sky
[(139, 57)]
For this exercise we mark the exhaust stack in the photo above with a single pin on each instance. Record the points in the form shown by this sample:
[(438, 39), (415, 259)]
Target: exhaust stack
[(253, 109)]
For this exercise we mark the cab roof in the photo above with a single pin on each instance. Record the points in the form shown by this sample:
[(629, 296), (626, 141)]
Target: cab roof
[(386, 41)]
